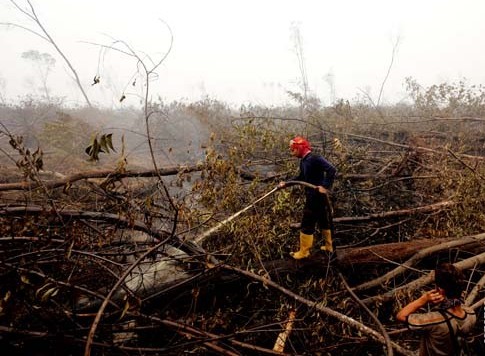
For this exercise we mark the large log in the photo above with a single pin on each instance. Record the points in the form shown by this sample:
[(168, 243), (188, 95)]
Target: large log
[(168, 276), (166, 171), (383, 253), (356, 257)]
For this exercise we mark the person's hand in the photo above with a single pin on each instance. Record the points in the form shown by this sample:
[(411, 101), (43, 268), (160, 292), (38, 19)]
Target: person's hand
[(432, 296), (281, 184), (322, 190)]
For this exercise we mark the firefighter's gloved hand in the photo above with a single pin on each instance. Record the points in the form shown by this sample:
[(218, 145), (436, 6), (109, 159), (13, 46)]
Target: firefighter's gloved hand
[(281, 185)]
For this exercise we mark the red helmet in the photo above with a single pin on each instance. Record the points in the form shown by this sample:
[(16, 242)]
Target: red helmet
[(301, 145)]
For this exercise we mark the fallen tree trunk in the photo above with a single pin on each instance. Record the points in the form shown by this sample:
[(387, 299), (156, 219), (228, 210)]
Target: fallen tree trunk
[(167, 171), (347, 259), (357, 257)]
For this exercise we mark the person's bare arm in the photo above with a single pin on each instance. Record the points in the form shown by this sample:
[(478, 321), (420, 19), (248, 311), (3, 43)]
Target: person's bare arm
[(432, 296)]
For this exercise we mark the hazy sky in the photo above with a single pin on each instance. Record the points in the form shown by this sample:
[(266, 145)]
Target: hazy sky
[(243, 52)]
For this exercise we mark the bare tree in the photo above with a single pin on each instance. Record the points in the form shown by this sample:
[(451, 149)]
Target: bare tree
[(43, 63), (31, 14), (367, 92), (298, 47), (2, 90), (330, 80), (393, 55)]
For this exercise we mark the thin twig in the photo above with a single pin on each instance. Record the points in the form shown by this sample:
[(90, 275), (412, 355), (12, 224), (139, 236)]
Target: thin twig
[(371, 314), (330, 312)]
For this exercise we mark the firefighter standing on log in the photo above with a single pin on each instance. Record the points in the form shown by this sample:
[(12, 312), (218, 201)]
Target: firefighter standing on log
[(317, 171)]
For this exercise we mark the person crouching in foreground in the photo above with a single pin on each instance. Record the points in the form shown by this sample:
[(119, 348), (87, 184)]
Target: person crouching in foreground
[(439, 329), (316, 170)]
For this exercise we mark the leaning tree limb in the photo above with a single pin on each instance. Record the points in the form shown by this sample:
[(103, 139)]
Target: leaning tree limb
[(418, 257), (424, 280), (478, 304), (330, 312), (474, 292)]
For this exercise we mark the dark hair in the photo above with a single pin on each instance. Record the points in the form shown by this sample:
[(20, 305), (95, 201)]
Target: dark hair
[(450, 279)]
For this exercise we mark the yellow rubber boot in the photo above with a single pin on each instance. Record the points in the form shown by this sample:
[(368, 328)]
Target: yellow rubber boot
[(306, 243), (327, 236)]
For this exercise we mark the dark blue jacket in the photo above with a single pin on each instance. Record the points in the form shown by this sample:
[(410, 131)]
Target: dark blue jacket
[(316, 170)]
